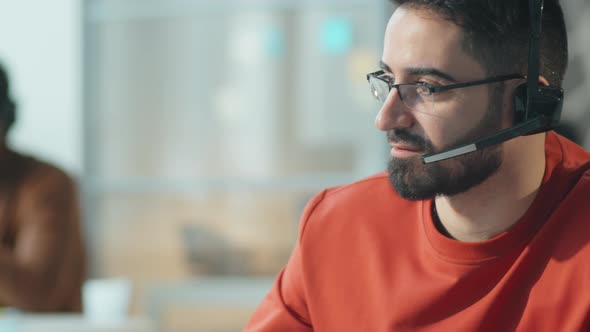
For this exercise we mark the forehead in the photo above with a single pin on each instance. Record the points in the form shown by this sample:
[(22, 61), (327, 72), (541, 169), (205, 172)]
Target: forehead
[(417, 38)]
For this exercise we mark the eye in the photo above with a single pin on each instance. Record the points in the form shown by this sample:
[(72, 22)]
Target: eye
[(423, 89), (388, 78)]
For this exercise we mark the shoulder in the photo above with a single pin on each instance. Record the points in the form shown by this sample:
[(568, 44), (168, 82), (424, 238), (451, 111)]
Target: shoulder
[(353, 195), (42, 191), (40, 178), (367, 201), (580, 193), (373, 186), (48, 174), (574, 158), (567, 165), (569, 222), (570, 191)]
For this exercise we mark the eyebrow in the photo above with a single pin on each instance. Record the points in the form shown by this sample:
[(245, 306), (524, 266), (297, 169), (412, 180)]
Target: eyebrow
[(384, 66), (421, 71)]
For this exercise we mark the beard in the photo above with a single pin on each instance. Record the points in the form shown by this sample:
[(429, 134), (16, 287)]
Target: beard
[(414, 180)]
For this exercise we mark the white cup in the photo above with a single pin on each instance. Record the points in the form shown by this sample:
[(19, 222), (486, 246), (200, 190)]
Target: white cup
[(106, 300)]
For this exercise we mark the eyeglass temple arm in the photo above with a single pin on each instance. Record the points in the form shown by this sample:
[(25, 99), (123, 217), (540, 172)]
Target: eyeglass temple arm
[(474, 83)]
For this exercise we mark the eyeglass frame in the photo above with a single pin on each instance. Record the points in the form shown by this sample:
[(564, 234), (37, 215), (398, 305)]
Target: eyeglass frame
[(434, 89)]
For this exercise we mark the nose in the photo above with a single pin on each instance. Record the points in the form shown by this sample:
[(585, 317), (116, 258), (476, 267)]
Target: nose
[(393, 114)]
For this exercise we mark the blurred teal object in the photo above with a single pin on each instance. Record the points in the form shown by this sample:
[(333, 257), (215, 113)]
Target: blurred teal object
[(10, 322), (275, 43), (336, 36)]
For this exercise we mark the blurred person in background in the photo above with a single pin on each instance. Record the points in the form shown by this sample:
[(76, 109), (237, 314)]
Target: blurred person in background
[(455, 236), (42, 261)]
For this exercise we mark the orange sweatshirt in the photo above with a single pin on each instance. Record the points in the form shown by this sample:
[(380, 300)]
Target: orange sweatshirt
[(368, 260)]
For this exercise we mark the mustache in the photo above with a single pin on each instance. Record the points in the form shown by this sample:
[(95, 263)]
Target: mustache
[(402, 135)]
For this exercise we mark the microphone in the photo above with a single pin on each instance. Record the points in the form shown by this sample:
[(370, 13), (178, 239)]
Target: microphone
[(502, 136)]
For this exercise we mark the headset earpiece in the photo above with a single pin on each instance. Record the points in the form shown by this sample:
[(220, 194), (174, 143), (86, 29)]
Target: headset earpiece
[(547, 102)]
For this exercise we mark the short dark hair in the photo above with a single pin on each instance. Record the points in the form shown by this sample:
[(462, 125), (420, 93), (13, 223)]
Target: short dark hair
[(7, 106), (496, 33)]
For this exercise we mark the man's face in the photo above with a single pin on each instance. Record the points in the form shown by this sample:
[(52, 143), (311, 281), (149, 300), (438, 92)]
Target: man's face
[(420, 46)]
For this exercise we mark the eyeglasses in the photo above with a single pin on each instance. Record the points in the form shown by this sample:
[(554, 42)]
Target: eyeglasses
[(419, 96)]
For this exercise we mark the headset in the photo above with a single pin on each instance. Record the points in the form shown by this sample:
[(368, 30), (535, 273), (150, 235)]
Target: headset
[(536, 108)]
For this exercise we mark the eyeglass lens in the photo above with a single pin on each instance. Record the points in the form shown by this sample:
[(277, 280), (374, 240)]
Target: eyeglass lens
[(414, 97)]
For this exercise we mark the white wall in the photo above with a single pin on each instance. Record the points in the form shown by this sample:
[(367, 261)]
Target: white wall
[(40, 46)]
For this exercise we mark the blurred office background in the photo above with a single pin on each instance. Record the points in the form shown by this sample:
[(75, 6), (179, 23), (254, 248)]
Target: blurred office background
[(198, 130)]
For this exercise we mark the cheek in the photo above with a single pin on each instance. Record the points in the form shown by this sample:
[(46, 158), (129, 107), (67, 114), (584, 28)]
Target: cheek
[(444, 134), (435, 130), (458, 117)]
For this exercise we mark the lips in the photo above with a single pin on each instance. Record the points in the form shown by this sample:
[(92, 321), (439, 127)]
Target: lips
[(404, 147), (404, 141)]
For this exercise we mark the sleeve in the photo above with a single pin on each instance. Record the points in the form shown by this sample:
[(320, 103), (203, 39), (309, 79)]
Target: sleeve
[(285, 307)]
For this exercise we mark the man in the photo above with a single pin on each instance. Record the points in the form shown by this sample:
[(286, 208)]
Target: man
[(41, 254), (492, 240)]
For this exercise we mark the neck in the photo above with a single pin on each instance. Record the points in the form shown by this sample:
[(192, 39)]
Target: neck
[(495, 205)]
